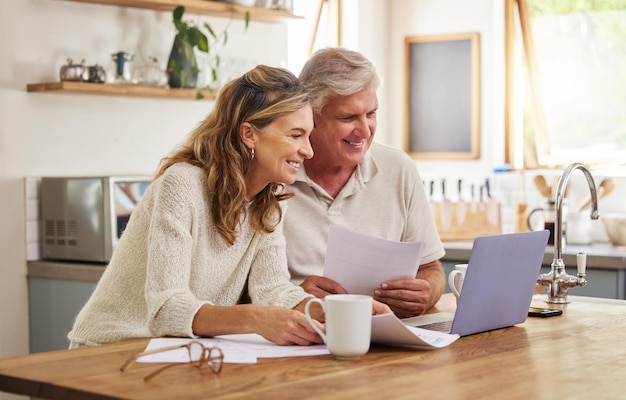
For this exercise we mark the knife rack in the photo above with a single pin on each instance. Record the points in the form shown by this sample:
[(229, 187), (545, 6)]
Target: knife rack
[(478, 219)]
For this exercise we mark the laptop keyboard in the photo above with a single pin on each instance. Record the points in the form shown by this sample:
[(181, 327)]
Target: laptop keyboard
[(442, 326)]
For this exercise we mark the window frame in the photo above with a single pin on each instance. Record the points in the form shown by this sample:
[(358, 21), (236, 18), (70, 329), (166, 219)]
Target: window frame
[(533, 151)]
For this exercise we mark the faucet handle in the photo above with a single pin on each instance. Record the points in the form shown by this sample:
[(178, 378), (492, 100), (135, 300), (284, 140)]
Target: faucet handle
[(581, 263)]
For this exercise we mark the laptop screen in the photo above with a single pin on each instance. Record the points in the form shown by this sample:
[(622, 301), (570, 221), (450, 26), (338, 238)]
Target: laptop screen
[(500, 281)]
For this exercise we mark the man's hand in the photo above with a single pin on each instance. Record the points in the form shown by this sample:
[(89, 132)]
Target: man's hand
[(412, 297), (405, 297), (319, 286)]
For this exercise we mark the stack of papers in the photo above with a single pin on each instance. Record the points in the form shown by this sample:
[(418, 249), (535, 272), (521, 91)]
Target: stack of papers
[(237, 349), (247, 348)]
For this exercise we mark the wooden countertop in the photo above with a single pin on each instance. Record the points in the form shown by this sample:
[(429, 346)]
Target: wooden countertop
[(576, 356)]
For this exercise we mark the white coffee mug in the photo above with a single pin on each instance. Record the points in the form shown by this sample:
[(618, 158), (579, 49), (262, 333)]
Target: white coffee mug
[(348, 324), (455, 279)]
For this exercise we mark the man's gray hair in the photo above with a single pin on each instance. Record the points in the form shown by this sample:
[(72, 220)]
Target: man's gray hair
[(336, 72)]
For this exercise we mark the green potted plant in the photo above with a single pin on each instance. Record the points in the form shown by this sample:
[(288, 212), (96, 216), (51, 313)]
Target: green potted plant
[(182, 66)]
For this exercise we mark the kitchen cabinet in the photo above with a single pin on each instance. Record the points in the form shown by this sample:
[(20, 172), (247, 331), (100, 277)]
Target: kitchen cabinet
[(56, 293), (608, 284), (200, 7), (53, 304), (606, 267)]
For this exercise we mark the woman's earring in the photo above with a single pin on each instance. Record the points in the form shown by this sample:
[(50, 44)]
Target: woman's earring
[(252, 154)]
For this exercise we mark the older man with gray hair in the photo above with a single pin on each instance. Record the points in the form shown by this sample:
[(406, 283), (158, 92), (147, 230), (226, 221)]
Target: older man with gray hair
[(357, 183)]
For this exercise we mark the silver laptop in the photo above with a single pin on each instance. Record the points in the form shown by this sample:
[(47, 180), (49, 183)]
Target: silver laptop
[(498, 285)]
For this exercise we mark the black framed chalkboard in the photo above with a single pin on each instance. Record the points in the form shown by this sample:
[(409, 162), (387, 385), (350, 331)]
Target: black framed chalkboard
[(443, 96)]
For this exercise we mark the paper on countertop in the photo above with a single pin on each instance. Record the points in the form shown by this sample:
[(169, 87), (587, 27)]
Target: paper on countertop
[(388, 329), (237, 349), (360, 263), (247, 348)]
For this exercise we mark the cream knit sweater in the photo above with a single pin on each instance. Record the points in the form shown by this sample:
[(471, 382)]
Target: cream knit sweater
[(171, 260)]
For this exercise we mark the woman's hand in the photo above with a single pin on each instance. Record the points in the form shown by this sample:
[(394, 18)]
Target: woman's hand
[(380, 308), (279, 325), (286, 327), (320, 286)]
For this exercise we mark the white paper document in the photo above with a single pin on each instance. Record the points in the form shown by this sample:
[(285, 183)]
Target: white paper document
[(237, 349), (388, 329), (360, 263)]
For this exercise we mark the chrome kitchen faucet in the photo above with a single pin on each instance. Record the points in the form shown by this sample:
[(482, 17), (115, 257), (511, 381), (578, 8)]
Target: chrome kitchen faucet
[(557, 280)]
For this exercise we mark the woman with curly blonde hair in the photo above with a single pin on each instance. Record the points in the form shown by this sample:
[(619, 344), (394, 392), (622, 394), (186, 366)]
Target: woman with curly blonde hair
[(209, 228)]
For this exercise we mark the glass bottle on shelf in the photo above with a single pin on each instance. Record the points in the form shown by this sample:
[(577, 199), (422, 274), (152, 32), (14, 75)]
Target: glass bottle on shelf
[(149, 73), (123, 68)]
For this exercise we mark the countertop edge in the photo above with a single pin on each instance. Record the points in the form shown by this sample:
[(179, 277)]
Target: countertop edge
[(599, 256), (65, 270)]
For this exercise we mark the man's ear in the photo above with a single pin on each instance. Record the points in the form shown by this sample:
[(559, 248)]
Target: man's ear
[(247, 135)]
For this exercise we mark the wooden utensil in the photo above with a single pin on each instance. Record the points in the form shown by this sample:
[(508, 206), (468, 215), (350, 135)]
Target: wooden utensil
[(542, 186), (604, 189)]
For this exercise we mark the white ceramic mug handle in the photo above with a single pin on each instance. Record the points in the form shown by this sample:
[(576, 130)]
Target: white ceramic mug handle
[(452, 283), (308, 316)]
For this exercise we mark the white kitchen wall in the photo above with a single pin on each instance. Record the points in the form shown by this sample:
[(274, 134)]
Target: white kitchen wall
[(427, 17)]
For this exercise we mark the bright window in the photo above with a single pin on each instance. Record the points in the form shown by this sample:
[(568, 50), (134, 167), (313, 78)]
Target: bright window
[(318, 29), (568, 88)]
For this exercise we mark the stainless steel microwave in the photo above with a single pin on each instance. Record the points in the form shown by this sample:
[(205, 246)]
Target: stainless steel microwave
[(84, 217)]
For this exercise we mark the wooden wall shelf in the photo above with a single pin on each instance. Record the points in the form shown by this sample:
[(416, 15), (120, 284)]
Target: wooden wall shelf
[(117, 90), (199, 7), (202, 7)]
